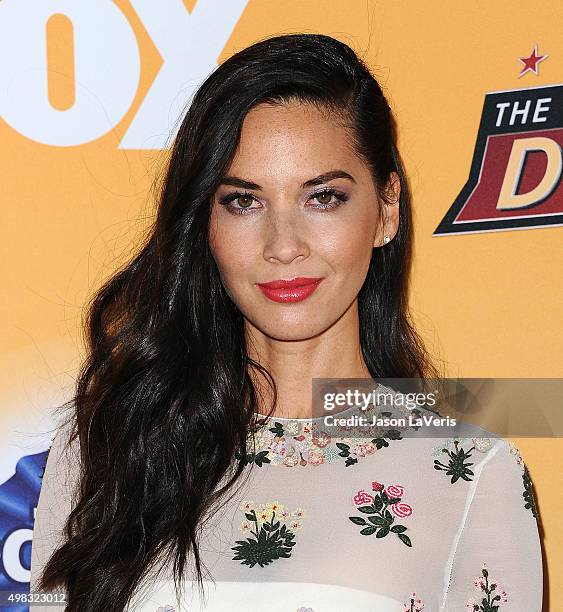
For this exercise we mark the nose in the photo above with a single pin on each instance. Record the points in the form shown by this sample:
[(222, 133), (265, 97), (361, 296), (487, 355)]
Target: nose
[(285, 236)]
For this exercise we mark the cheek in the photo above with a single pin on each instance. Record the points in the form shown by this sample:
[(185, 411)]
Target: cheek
[(234, 261), (348, 251)]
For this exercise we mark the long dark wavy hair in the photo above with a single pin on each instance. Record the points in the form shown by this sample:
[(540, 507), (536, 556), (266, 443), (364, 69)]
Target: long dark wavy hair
[(164, 401)]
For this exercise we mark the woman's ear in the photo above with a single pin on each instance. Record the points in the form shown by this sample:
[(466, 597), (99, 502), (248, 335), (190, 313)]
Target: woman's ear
[(393, 189), (391, 211)]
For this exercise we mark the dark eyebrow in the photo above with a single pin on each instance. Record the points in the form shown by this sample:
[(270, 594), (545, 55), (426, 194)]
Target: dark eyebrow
[(235, 181)]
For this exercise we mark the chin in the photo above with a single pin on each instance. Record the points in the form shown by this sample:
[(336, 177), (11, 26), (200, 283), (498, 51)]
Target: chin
[(290, 330)]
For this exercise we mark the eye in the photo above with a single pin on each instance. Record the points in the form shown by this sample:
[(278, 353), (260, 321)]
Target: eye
[(325, 196), (246, 200)]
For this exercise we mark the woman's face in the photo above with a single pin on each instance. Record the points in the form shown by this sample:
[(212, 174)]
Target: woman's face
[(287, 222)]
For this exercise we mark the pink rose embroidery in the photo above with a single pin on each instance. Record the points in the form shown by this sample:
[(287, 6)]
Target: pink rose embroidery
[(401, 509), (380, 509), (395, 491), (362, 497)]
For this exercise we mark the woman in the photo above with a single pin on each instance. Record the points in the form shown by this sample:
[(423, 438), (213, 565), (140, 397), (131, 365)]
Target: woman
[(192, 451)]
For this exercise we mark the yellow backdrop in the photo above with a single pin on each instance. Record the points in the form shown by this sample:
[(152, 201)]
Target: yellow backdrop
[(488, 303)]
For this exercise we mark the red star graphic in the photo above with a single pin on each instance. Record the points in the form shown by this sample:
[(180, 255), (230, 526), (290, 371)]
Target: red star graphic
[(531, 63)]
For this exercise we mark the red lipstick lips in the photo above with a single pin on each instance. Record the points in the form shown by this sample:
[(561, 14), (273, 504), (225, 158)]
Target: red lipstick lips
[(291, 290)]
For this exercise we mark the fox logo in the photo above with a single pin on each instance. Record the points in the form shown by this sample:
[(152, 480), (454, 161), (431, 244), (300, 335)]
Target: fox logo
[(515, 176)]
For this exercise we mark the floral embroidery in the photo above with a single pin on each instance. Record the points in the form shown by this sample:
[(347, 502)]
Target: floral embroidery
[(457, 466), (273, 527), (306, 443), (381, 519), (528, 494), (166, 608), (360, 449), (491, 599), (414, 605), (516, 452)]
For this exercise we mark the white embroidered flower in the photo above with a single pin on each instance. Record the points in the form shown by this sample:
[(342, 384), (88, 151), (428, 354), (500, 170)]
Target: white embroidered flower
[(264, 439), (276, 507), (292, 428), (264, 515), (482, 444), (247, 506)]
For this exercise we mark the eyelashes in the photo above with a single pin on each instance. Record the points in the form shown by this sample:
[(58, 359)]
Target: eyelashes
[(228, 201)]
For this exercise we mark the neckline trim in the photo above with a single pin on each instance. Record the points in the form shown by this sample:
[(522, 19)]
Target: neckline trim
[(270, 418), (309, 419)]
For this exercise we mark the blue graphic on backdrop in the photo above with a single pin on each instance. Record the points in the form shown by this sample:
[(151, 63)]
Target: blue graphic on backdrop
[(18, 499)]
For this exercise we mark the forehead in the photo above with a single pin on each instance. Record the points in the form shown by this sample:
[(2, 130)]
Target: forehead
[(293, 138)]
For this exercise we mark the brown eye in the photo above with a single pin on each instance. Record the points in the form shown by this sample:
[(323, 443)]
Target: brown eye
[(238, 203), (244, 201), (325, 200), (327, 196)]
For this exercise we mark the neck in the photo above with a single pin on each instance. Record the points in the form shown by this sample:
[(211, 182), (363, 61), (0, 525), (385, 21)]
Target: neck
[(293, 364)]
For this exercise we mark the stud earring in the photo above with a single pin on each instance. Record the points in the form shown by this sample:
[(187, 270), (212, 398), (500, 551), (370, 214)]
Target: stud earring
[(386, 239)]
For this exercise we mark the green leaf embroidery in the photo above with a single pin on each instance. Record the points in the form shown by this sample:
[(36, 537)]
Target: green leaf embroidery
[(528, 493), (258, 458), (405, 539), (457, 466)]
